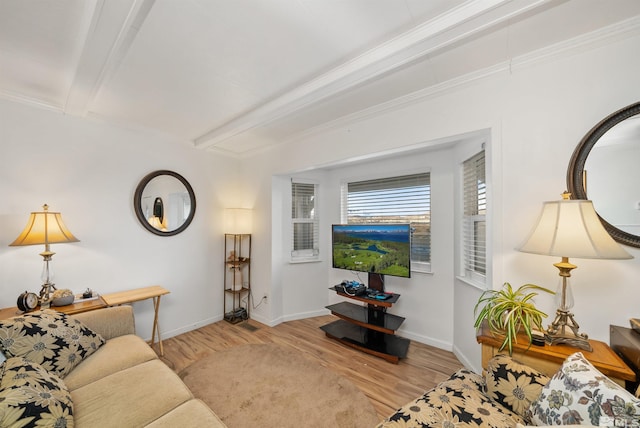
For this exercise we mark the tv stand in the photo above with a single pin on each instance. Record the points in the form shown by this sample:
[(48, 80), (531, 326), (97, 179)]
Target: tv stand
[(368, 328)]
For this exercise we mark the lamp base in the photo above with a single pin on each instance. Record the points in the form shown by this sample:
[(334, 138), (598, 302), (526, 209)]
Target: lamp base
[(557, 332), (45, 294)]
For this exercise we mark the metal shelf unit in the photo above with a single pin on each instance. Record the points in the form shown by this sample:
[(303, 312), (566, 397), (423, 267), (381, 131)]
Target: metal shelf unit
[(237, 277)]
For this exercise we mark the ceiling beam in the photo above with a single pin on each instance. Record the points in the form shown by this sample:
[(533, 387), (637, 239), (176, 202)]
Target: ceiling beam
[(111, 31), (458, 24)]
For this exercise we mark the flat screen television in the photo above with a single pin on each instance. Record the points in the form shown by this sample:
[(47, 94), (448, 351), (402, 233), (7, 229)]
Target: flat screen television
[(378, 249)]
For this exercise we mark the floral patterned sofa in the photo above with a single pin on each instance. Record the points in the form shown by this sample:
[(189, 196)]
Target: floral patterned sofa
[(512, 394)]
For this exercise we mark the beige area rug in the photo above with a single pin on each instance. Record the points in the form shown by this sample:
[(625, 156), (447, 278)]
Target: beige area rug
[(266, 385)]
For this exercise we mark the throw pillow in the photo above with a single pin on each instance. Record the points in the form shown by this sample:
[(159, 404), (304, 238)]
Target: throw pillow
[(512, 384), (579, 394), (52, 339), (30, 396)]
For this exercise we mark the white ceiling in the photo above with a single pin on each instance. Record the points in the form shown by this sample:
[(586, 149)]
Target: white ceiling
[(237, 76)]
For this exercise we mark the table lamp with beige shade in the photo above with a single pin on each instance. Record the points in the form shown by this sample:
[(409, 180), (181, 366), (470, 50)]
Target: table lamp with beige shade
[(45, 228)]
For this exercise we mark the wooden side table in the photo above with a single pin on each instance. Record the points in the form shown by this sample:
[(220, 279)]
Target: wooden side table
[(548, 358), (154, 292)]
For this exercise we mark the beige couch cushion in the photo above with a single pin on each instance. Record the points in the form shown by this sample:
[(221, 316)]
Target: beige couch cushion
[(109, 322), (133, 397), (117, 354), (192, 414)]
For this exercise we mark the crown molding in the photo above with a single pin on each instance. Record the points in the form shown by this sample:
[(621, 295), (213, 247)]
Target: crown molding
[(30, 101), (461, 22)]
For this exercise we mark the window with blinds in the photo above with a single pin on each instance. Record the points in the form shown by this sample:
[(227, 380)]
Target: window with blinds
[(474, 218), (403, 199), (304, 219)]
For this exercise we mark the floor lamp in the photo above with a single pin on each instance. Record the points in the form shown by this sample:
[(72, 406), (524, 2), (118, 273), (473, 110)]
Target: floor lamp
[(46, 228), (570, 228)]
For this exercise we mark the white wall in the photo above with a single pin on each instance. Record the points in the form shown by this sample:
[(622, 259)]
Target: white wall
[(89, 171), (537, 111)]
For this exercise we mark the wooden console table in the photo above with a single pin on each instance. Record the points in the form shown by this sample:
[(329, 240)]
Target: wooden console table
[(74, 308), (368, 328), (548, 358), (154, 292), (112, 299)]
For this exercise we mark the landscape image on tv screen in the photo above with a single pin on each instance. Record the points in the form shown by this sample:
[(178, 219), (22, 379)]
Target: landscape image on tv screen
[(378, 248)]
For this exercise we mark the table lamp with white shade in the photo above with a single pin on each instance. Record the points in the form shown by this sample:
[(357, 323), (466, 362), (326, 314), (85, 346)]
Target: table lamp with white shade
[(570, 228)]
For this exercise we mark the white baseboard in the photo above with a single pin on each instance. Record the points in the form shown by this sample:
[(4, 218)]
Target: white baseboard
[(177, 331), (303, 315), (425, 340), (465, 361), (263, 320)]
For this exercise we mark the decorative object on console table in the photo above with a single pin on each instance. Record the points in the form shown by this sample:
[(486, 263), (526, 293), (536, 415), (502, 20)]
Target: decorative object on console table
[(368, 328), (508, 312), (46, 228), (237, 272), (62, 297), (570, 228)]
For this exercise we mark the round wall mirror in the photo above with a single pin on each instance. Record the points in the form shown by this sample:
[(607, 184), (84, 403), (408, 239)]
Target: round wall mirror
[(164, 203), (604, 169)]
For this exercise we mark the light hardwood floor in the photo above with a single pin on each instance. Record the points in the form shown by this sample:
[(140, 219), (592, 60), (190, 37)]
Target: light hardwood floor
[(388, 386)]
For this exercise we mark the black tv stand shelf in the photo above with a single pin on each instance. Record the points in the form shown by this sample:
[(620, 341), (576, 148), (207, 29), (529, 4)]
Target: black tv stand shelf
[(368, 328)]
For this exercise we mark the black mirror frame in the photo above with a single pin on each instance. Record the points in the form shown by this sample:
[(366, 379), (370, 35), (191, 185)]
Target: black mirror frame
[(575, 172), (137, 202)]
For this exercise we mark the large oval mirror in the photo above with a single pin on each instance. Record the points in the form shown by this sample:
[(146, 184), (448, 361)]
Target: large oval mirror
[(604, 169), (164, 203)]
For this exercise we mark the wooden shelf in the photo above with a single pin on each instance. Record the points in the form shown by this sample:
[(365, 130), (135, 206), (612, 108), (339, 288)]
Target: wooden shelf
[(386, 346), (384, 303), (237, 274), (242, 290), (364, 317)]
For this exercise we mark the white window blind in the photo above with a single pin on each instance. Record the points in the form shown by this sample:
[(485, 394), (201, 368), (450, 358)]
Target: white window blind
[(304, 218), (474, 218), (402, 199)]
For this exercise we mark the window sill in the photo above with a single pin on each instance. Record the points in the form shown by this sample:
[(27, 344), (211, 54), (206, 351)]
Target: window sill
[(475, 284), (309, 260)]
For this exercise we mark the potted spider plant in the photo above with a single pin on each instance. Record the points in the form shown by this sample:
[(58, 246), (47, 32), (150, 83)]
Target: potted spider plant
[(508, 311)]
